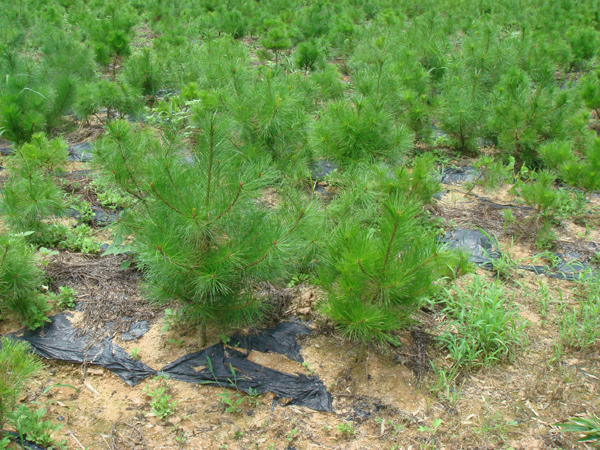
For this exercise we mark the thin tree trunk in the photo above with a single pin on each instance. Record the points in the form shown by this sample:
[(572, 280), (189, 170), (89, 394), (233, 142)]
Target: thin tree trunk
[(202, 338), (360, 356)]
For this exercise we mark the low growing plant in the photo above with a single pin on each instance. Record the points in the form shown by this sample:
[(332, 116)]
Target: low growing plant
[(31, 426), (20, 279), (579, 326), (486, 328), (588, 426), (17, 366), (162, 406), (64, 299)]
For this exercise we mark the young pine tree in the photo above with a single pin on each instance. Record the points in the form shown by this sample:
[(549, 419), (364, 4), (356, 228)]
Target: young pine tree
[(111, 32), (375, 275), (579, 170), (30, 195), (462, 112), (112, 96), (307, 56), (530, 111), (20, 279), (17, 366), (22, 110), (354, 130), (590, 91), (277, 38), (200, 236)]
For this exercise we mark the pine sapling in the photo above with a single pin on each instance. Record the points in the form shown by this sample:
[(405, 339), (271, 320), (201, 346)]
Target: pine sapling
[(277, 38), (590, 91), (17, 366), (199, 235), (20, 279), (579, 170), (375, 275), (30, 195), (356, 130)]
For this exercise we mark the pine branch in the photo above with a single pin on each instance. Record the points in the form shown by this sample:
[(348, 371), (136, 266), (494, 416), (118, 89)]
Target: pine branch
[(362, 269), (166, 202), (389, 247), (210, 168), (231, 205), (275, 242)]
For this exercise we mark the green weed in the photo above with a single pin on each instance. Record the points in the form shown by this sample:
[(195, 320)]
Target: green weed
[(486, 327)]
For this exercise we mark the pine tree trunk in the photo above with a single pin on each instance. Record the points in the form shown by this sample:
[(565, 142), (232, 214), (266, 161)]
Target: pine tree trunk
[(202, 338), (360, 356), (1, 419)]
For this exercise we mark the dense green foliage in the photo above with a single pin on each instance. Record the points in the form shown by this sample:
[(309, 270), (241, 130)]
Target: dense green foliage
[(20, 280), (199, 234), (17, 366), (242, 97), (476, 68)]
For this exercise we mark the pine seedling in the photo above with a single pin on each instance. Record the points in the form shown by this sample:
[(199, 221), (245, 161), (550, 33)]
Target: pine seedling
[(200, 236), (307, 56), (418, 183), (329, 83), (462, 113), (22, 110), (580, 171), (20, 278), (540, 193), (528, 113), (584, 42), (17, 366), (355, 130), (277, 38), (112, 96), (111, 32), (493, 172), (231, 21), (269, 111), (30, 195), (375, 275), (314, 20), (144, 72), (590, 91)]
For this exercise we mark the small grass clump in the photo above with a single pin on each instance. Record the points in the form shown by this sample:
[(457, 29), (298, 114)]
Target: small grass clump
[(579, 325), (483, 328)]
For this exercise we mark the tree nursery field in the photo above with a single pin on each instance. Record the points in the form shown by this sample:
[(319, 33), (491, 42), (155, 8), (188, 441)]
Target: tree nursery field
[(299, 224)]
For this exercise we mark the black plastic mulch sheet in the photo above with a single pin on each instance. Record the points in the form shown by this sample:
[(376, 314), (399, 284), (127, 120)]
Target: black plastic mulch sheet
[(58, 340), (565, 270), (481, 250), (28, 445), (226, 367), (279, 339), (453, 175), (80, 152), (213, 365), (476, 243)]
